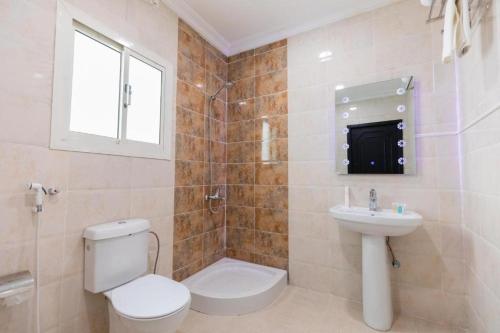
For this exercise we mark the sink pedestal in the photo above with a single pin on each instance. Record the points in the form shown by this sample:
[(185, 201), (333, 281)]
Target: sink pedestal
[(377, 301), (374, 227)]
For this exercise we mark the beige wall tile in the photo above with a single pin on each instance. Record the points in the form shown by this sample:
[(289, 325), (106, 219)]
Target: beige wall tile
[(94, 188)]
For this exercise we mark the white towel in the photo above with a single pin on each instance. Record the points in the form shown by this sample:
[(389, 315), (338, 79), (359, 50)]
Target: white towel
[(451, 19), (464, 31)]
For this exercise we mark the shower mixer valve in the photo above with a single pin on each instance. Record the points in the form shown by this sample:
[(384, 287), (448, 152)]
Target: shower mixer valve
[(215, 196)]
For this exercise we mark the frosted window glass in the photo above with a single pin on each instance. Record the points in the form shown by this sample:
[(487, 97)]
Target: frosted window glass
[(143, 114), (96, 88)]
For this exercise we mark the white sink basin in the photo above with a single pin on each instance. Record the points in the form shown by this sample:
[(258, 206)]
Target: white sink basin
[(374, 227), (382, 222)]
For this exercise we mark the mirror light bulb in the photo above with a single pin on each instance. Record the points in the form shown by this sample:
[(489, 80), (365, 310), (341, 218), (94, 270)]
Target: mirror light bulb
[(345, 162), (401, 161), (345, 130), (345, 115), (401, 143), (401, 125), (345, 146), (401, 91), (401, 108), (345, 99)]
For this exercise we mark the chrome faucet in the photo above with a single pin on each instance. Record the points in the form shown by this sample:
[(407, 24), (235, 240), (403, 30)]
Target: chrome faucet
[(373, 200)]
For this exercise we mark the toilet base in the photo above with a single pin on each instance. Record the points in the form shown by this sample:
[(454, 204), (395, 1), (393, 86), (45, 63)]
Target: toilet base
[(167, 324)]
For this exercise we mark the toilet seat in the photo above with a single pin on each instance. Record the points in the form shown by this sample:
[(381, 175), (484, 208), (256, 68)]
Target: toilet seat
[(149, 297)]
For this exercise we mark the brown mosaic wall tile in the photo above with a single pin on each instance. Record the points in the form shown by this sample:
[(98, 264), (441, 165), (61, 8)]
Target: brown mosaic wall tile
[(240, 152), (188, 225), (214, 221), (242, 69), (271, 220), (191, 46), (272, 261), (249, 143), (190, 123), (198, 235), (189, 148), (188, 199), (240, 217), (257, 191), (271, 61), (241, 55), (242, 89), (271, 46), (218, 130), (241, 173), (241, 110), (240, 255), (215, 63), (187, 251), (190, 97), (272, 105), (271, 196), (271, 244), (271, 83), (188, 173), (272, 173), (213, 241), (218, 110), (240, 195), (188, 270), (241, 131), (211, 258), (218, 152), (190, 72), (219, 173), (241, 239)]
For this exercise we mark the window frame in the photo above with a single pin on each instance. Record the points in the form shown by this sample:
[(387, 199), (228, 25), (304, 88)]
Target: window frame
[(69, 20)]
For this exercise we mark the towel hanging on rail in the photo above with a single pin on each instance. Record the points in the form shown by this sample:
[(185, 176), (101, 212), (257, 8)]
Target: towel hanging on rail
[(451, 21), (464, 31), (457, 29)]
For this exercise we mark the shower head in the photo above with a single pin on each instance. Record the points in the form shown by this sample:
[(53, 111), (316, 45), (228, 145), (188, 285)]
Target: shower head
[(226, 85)]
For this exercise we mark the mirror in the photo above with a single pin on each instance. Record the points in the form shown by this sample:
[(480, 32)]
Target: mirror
[(375, 128)]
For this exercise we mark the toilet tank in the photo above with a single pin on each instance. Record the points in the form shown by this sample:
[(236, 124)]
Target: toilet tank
[(115, 253)]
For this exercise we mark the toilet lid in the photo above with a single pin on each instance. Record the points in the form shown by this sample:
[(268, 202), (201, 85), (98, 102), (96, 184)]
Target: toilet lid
[(150, 296)]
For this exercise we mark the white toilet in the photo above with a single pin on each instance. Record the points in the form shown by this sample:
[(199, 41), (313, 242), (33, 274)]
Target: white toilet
[(116, 257)]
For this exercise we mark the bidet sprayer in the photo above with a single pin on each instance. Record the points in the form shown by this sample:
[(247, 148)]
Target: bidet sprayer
[(40, 191)]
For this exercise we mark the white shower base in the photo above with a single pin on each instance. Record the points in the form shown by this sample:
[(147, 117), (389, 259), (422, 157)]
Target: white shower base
[(233, 287)]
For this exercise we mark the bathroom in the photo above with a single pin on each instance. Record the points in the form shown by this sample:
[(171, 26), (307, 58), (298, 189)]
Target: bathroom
[(236, 200)]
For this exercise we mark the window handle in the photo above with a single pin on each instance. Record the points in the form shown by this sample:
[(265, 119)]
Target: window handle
[(128, 95)]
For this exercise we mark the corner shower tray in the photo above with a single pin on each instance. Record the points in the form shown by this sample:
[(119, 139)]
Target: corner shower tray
[(233, 287)]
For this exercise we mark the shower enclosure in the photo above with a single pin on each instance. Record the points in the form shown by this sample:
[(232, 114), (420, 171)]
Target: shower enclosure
[(230, 286)]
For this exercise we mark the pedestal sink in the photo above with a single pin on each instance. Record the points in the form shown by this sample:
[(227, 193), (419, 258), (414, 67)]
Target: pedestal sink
[(375, 226)]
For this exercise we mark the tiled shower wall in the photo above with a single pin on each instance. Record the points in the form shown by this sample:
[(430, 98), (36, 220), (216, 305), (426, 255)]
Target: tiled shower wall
[(198, 234), (257, 156)]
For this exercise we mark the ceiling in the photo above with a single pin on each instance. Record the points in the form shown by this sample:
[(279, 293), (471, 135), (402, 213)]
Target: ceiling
[(238, 25)]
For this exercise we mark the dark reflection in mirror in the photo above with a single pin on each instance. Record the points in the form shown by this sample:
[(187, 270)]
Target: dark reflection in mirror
[(375, 128)]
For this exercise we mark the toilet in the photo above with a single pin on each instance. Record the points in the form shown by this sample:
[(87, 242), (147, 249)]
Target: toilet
[(116, 260)]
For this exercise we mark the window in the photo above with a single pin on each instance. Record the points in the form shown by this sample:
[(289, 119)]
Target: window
[(109, 97)]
